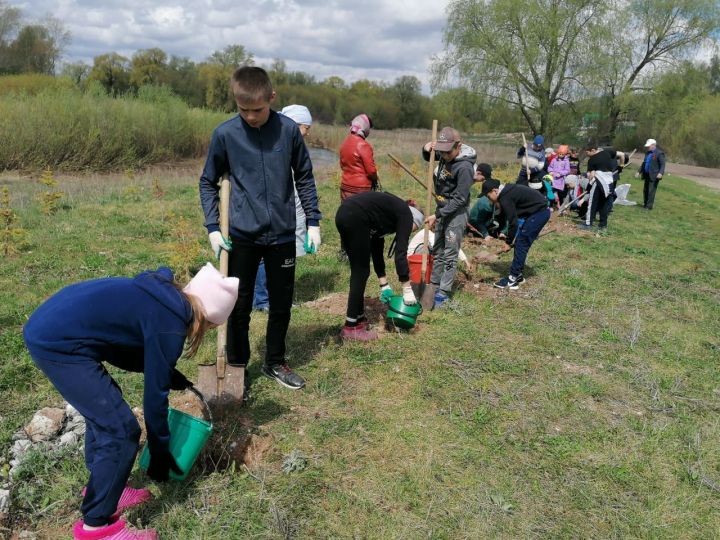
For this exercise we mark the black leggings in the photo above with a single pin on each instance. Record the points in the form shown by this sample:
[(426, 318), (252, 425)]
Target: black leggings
[(360, 246), (280, 270)]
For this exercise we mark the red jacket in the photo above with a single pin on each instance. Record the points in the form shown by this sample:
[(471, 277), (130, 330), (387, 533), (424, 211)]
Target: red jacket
[(359, 172)]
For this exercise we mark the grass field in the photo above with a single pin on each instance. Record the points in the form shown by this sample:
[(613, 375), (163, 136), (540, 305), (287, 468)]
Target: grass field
[(584, 405)]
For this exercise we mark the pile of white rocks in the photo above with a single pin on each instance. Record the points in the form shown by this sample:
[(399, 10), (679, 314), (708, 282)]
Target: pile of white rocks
[(51, 427)]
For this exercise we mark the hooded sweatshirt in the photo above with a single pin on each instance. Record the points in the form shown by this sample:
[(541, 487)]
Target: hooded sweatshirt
[(452, 181), (137, 324)]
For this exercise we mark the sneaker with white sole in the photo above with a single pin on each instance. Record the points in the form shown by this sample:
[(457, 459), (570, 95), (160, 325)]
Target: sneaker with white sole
[(510, 282), (283, 375)]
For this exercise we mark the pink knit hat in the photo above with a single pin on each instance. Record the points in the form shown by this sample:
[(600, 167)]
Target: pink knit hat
[(217, 293)]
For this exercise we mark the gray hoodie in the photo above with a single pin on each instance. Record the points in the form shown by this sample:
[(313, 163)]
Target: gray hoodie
[(452, 181)]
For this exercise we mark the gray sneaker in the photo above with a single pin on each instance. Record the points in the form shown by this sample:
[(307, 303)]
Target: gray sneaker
[(283, 375)]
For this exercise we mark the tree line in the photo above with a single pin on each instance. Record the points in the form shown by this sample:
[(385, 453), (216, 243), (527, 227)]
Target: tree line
[(618, 70)]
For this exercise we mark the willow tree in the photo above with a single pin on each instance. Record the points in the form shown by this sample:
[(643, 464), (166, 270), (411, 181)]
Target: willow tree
[(527, 53), (648, 36)]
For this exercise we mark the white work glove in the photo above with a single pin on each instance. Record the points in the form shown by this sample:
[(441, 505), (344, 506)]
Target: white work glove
[(408, 295), (312, 239), (218, 242)]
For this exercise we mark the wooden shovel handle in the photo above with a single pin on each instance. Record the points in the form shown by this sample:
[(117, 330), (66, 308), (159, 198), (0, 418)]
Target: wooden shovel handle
[(428, 204), (221, 359)]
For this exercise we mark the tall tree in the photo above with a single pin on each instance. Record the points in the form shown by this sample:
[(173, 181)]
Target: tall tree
[(148, 66), (650, 34), (527, 53), (232, 56), (77, 72), (9, 22), (111, 71), (33, 51), (407, 93)]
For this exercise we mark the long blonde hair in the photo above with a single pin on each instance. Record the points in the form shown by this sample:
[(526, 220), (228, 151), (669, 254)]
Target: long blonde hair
[(198, 326)]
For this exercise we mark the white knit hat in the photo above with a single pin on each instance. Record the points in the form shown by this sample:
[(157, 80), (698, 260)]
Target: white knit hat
[(216, 292), (299, 113)]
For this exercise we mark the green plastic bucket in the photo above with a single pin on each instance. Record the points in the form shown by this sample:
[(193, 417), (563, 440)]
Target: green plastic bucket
[(188, 435), (401, 315)]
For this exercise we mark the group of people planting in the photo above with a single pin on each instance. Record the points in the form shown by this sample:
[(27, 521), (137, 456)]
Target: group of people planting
[(145, 323)]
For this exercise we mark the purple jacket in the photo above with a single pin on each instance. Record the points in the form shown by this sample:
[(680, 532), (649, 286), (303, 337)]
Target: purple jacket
[(559, 168)]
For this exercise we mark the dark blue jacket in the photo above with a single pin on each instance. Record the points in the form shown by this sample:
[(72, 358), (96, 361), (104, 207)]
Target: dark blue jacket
[(137, 324), (657, 164), (261, 162)]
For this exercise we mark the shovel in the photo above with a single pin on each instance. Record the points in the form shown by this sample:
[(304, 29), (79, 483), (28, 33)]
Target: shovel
[(426, 291), (220, 382)]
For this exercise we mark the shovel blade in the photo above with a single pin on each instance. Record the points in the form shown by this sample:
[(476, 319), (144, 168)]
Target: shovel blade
[(208, 382), (233, 385), (427, 295)]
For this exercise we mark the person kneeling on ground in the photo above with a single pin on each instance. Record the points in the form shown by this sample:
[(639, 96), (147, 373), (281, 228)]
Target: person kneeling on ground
[(452, 181), (138, 324), (518, 202), (363, 221), (483, 213)]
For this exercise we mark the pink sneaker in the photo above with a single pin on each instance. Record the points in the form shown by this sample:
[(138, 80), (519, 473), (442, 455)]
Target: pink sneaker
[(358, 333), (119, 530), (129, 498)]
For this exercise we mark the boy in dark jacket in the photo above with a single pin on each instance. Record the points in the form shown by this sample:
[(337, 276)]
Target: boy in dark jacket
[(518, 201), (264, 153), (452, 180)]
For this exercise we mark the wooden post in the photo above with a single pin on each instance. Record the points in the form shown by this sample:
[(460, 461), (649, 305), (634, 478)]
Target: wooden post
[(527, 163)]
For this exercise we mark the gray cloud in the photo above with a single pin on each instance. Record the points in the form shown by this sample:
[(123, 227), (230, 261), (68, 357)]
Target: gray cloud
[(377, 39)]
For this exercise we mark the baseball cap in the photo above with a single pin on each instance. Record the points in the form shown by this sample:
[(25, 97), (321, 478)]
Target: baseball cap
[(539, 140), (650, 142), (489, 185), (446, 139)]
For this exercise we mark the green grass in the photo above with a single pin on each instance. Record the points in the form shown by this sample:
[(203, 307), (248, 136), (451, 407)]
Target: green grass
[(583, 405)]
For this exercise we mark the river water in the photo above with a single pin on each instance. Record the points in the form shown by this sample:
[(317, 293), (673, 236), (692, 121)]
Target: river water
[(320, 156)]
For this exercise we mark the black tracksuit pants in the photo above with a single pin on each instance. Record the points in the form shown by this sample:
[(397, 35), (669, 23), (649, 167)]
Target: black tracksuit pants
[(360, 246), (280, 271)]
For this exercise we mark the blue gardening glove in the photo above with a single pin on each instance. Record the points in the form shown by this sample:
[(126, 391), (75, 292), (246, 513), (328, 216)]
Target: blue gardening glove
[(218, 242), (161, 463), (312, 239), (386, 293)]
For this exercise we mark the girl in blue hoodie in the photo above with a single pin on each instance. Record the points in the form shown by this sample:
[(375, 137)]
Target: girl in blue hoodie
[(139, 324)]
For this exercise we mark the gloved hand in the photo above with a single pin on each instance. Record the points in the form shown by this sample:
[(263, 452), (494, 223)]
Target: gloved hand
[(218, 242), (408, 294), (312, 239), (386, 293), (178, 381), (161, 463)]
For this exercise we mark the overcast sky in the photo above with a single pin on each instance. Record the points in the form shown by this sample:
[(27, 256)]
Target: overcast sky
[(354, 39)]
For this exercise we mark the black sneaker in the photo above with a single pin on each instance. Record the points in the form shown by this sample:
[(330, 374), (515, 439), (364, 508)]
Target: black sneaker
[(510, 282), (284, 375)]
